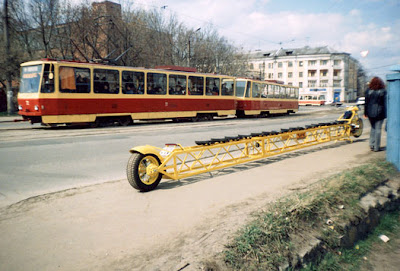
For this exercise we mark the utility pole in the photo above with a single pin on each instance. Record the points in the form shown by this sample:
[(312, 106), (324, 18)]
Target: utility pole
[(10, 105), (190, 36)]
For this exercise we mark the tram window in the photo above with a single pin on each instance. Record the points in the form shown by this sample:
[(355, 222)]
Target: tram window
[(212, 86), (248, 87), (283, 92), (48, 79), (270, 91), (290, 93), (106, 81), (264, 90), (196, 85), (177, 84), (293, 93), (256, 90), (156, 83), (276, 91), (240, 88), (132, 82), (227, 88), (74, 80)]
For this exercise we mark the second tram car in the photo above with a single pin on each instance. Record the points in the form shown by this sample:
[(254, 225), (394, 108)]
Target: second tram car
[(54, 92), (265, 98), (312, 99)]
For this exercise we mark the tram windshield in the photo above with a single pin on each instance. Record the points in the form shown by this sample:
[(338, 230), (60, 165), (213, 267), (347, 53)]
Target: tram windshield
[(30, 79)]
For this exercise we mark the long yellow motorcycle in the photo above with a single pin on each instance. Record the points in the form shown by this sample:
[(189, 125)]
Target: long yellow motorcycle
[(148, 164)]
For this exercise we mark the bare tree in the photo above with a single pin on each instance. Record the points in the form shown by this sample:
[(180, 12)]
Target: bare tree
[(45, 20), (85, 31)]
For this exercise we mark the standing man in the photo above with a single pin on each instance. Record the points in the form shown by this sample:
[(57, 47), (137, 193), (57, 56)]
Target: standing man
[(375, 111)]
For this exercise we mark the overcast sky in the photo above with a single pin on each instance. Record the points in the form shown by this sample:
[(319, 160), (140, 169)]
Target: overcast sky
[(351, 26)]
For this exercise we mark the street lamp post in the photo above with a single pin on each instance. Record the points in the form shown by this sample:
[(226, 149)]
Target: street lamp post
[(190, 36)]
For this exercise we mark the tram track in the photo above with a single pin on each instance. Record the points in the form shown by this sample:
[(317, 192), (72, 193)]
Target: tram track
[(14, 134)]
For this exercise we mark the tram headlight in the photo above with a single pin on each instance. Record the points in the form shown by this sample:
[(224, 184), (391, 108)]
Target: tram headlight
[(36, 108), (20, 107)]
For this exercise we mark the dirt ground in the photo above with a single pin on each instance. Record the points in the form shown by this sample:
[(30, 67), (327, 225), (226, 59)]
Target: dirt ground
[(178, 226), (385, 256)]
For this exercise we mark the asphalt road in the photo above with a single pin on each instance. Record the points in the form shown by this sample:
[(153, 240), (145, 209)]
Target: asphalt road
[(35, 160)]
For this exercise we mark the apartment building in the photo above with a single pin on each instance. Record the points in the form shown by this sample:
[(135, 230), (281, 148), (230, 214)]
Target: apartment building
[(334, 74)]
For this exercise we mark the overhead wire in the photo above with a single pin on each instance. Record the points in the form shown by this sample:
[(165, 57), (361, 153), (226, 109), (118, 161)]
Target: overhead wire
[(334, 6), (164, 7)]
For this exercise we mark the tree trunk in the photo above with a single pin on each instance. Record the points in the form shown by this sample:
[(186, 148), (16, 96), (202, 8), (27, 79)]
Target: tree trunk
[(10, 94)]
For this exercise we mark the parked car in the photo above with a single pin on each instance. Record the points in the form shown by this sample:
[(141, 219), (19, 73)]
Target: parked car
[(333, 103)]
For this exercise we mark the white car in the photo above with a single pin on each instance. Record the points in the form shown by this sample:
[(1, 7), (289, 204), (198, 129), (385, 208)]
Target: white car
[(360, 101)]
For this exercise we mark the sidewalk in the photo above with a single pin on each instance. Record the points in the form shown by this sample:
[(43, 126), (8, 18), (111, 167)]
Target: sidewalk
[(10, 118), (111, 226)]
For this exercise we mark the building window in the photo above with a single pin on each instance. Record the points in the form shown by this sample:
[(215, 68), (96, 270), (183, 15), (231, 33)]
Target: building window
[(290, 64), (280, 75), (336, 72), (337, 83), (311, 63), (279, 64), (323, 62), (290, 75), (324, 83), (290, 84), (300, 84), (312, 73), (300, 63), (300, 74), (336, 62), (312, 83), (270, 65), (324, 73), (270, 75), (251, 66)]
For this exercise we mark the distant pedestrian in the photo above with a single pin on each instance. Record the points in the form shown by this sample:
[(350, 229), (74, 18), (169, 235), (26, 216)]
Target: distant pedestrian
[(375, 111)]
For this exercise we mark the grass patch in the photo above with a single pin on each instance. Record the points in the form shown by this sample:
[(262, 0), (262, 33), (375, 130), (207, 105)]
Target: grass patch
[(352, 259), (5, 114), (266, 243)]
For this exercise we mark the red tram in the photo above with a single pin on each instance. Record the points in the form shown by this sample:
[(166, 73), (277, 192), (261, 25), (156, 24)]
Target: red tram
[(56, 92)]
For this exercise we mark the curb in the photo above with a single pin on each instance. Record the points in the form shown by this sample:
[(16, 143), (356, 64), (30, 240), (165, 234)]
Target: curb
[(384, 199)]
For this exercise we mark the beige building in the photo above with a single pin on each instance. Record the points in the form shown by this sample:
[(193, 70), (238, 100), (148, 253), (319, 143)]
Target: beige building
[(336, 75)]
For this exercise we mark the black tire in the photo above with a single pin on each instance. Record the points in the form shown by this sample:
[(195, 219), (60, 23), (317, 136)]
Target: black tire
[(357, 132), (137, 162)]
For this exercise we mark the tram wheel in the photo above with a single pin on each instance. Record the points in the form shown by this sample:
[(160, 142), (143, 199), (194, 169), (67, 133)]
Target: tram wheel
[(125, 121), (357, 132), (141, 171)]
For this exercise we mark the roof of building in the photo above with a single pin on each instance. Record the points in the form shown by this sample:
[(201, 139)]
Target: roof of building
[(296, 52)]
